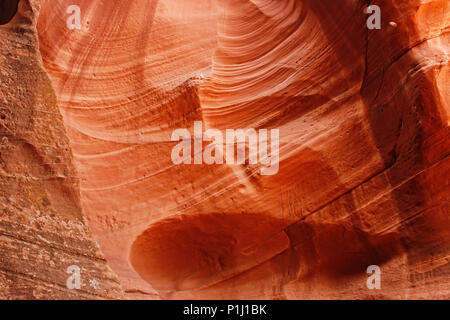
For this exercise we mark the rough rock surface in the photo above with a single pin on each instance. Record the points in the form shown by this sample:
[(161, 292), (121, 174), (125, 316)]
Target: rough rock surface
[(364, 143), (42, 229)]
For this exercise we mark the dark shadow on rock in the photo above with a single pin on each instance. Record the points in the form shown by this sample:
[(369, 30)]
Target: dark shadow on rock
[(195, 252), (8, 9), (402, 114)]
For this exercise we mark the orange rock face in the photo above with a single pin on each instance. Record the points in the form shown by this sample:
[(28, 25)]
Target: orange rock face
[(363, 120), (42, 229)]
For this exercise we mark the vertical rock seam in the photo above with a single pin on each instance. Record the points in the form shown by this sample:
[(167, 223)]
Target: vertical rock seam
[(42, 228)]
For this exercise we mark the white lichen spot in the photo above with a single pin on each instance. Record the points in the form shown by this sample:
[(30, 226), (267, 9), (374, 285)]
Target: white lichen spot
[(94, 283)]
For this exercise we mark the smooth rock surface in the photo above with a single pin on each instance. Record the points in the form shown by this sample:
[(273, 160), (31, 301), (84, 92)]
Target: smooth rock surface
[(363, 118)]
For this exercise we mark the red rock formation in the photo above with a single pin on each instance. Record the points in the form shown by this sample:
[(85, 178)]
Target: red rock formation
[(363, 118), (42, 229)]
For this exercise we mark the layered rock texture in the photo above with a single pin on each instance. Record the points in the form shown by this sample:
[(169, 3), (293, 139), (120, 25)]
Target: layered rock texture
[(363, 117), (42, 228)]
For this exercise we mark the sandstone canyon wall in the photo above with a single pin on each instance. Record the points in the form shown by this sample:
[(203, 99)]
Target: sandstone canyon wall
[(363, 119), (42, 228)]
